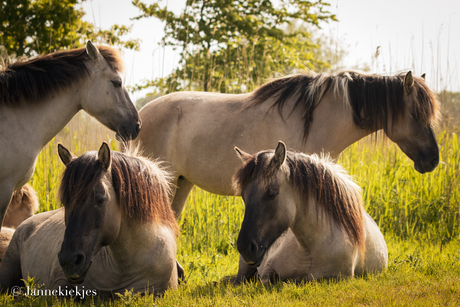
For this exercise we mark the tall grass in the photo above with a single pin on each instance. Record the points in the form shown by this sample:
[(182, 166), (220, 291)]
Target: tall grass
[(403, 202)]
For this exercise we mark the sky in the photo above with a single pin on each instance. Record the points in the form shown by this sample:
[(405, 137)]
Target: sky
[(418, 35)]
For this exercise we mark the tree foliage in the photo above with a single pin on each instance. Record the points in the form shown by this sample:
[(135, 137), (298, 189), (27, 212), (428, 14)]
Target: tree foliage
[(230, 45), (31, 27)]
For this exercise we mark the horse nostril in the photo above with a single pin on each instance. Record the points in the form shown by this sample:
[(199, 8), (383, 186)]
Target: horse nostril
[(435, 161), (252, 248), (79, 260)]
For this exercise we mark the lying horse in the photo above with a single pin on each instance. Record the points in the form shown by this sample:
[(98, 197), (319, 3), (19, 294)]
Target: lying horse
[(115, 232), (23, 205), (313, 113), (303, 220), (39, 96)]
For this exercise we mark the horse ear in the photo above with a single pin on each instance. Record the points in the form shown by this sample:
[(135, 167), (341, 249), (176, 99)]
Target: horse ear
[(280, 155), (93, 52), (244, 156), (65, 155), (408, 82), (423, 76), (104, 156)]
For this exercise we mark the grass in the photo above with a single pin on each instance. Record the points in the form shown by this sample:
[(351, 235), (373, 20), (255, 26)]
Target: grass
[(418, 214), (419, 274)]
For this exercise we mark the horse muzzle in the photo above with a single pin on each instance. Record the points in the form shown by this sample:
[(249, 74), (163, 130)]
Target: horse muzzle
[(74, 266), (128, 132), (252, 253), (426, 165)]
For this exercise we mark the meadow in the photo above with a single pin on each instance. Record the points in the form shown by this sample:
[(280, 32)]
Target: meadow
[(418, 214)]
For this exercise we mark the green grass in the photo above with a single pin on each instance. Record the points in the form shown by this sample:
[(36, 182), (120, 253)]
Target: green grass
[(418, 214), (419, 274)]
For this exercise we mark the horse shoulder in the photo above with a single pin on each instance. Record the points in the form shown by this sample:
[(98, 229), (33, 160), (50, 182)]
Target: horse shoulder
[(376, 254), (163, 259)]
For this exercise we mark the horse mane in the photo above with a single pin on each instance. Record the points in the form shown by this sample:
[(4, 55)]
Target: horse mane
[(313, 176), (375, 100), (142, 187), (29, 81)]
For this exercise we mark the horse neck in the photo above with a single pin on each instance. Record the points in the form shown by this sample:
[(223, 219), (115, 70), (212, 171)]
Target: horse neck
[(40, 122), (311, 225), (333, 129), (133, 240)]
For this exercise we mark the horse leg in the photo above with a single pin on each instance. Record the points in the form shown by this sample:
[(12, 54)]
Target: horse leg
[(180, 274), (5, 198), (183, 189), (245, 273)]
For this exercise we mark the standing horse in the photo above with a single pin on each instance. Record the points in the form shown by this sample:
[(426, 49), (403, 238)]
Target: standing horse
[(116, 231), (39, 96), (329, 235), (312, 113)]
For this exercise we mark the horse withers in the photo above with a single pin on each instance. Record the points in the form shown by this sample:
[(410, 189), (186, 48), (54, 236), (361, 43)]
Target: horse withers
[(116, 230), (39, 96), (304, 220)]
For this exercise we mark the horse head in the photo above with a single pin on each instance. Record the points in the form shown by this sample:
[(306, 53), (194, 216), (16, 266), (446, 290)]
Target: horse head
[(106, 98), (269, 210), (412, 129), (92, 214)]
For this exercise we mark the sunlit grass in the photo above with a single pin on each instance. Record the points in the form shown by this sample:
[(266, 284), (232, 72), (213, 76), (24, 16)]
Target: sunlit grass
[(418, 214)]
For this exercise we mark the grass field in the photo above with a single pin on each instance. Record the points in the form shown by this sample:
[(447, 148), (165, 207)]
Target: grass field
[(418, 214)]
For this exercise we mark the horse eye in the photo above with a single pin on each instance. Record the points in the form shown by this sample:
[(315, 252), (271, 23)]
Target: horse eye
[(116, 83), (272, 193), (100, 201), (414, 116)]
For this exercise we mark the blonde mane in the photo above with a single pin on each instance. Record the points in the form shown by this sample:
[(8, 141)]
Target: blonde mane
[(375, 100), (29, 81)]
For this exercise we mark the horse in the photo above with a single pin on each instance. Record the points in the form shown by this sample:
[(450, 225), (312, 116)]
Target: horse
[(304, 220), (39, 96), (313, 113), (116, 230), (23, 205)]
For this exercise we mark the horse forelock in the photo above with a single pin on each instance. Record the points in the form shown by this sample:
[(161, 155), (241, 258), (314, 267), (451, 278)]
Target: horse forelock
[(142, 188), (259, 168), (313, 176), (427, 106), (29, 81)]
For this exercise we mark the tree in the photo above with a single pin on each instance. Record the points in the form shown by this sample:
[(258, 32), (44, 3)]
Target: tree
[(230, 45), (31, 27)]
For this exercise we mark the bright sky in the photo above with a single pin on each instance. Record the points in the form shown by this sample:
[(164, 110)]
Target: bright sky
[(420, 35)]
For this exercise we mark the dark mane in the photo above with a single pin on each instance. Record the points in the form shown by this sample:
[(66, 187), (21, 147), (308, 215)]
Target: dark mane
[(315, 177), (28, 81), (142, 188), (375, 100)]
